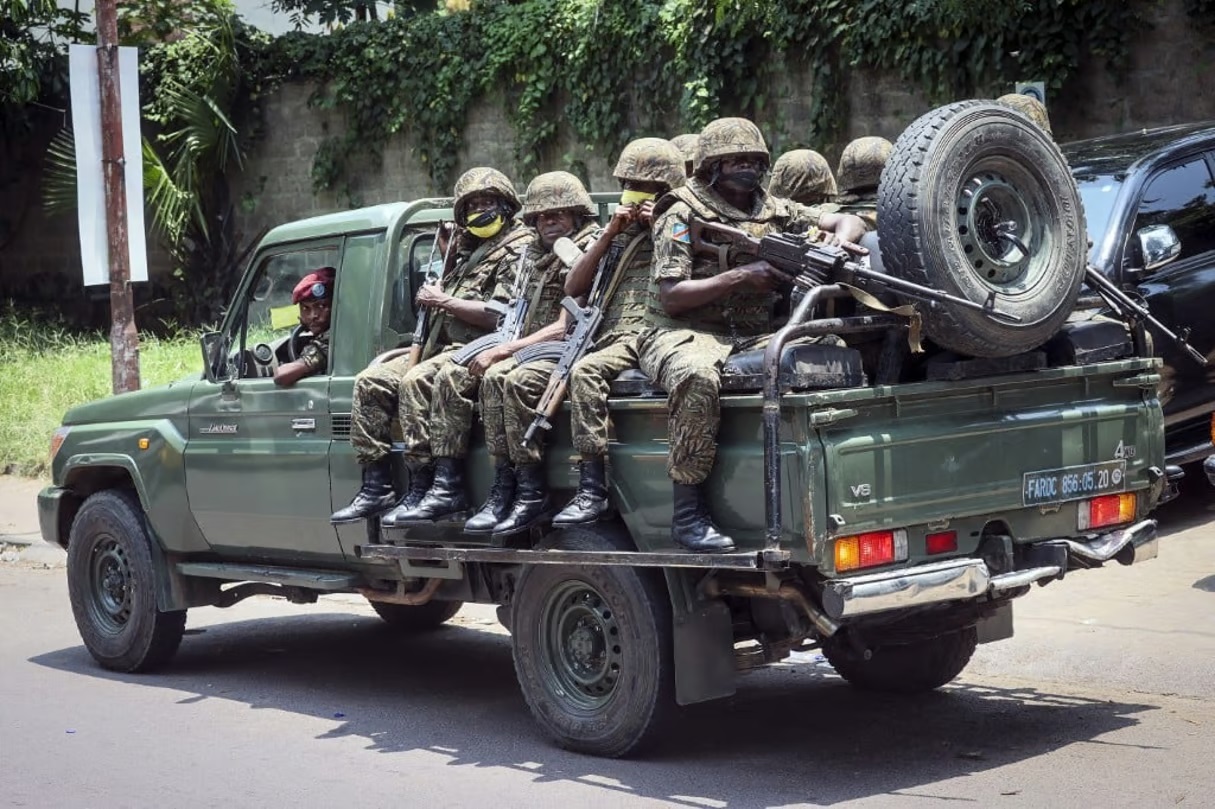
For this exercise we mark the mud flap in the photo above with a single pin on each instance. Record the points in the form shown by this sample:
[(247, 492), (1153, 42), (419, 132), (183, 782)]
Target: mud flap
[(703, 635), (997, 626)]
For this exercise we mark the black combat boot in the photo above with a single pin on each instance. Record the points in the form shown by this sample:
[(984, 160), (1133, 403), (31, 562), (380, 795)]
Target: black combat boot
[(531, 500), (497, 505), (444, 500), (374, 496), (692, 528), (590, 502), (421, 477)]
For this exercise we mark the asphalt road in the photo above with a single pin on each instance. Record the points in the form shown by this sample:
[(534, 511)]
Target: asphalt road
[(1105, 697)]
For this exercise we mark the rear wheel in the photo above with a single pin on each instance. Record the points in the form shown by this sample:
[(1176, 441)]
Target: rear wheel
[(977, 201), (593, 650), (903, 668), (112, 586), (420, 618)]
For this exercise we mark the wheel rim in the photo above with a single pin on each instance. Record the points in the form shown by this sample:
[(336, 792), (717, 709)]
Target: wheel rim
[(581, 654), (109, 586), (996, 230)]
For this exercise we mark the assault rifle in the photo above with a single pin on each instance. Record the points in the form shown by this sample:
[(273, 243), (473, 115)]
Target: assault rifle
[(421, 328), (810, 264), (511, 317), (577, 342)]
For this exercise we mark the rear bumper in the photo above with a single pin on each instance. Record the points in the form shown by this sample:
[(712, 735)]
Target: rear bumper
[(963, 579)]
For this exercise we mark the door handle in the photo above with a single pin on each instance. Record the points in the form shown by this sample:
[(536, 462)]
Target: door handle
[(303, 425)]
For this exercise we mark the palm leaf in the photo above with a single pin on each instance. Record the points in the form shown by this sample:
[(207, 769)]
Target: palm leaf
[(59, 174)]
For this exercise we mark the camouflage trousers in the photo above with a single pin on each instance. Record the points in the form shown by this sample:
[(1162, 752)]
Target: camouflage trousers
[(417, 388), (509, 395), (374, 406), (687, 364), (452, 407), (589, 386)]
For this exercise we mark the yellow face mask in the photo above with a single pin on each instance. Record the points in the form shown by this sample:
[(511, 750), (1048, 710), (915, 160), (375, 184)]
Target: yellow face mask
[(486, 231), (635, 197)]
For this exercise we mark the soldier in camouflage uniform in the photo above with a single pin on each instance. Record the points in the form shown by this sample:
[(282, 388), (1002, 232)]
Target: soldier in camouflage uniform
[(488, 244), (702, 310), (1030, 107), (647, 169), (804, 176), (686, 144), (860, 170), (314, 296), (556, 205)]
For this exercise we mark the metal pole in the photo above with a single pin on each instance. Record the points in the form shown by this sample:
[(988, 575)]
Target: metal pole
[(124, 337)]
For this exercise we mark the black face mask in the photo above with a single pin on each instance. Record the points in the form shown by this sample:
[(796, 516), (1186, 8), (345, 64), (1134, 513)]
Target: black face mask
[(744, 181)]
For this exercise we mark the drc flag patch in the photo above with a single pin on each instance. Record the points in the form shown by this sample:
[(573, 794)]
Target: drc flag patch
[(679, 232)]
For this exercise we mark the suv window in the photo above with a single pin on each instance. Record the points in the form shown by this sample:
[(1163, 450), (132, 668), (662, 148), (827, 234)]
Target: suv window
[(1182, 197)]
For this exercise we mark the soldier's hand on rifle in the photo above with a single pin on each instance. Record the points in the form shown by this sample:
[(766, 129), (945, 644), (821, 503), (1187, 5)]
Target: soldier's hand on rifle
[(844, 230), (487, 358), (431, 297), (761, 276)]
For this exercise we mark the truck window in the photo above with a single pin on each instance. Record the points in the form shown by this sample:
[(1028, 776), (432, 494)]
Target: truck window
[(1182, 197), (415, 253)]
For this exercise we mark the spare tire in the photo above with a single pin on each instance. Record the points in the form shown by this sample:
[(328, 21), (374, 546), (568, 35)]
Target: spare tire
[(977, 201)]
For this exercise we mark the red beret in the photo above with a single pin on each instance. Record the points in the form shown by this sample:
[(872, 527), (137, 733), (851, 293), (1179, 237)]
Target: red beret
[(315, 286)]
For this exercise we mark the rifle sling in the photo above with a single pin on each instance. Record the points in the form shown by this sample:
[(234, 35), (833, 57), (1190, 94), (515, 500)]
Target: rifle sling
[(906, 310)]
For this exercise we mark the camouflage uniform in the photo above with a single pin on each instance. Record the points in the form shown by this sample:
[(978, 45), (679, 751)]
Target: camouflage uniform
[(685, 354), (316, 353), (804, 176), (1030, 107), (860, 172), (686, 144)]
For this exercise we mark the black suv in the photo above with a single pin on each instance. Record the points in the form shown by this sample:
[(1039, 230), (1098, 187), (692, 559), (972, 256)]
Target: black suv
[(1149, 198)]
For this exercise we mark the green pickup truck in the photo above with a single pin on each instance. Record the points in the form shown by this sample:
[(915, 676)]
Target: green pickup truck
[(888, 507)]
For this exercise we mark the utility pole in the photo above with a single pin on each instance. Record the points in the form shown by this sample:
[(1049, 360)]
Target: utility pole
[(124, 337)]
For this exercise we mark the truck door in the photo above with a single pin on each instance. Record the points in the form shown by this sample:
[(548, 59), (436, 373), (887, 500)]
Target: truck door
[(257, 456)]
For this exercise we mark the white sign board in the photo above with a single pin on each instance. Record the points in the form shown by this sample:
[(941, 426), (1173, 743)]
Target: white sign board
[(90, 182)]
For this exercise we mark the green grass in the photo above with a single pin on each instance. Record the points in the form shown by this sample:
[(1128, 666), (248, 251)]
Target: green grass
[(46, 369)]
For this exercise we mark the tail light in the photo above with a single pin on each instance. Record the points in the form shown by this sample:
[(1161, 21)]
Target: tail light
[(870, 549), (1110, 509), (941, 542)]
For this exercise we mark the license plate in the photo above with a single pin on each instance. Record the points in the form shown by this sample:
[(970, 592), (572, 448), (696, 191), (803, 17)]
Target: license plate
[(1073, 482)]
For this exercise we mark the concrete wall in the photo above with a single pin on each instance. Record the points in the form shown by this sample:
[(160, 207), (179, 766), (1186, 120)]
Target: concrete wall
[(1171, 80)]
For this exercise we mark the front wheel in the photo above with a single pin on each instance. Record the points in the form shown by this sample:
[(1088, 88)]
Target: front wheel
[(112, 586), (903, 668), (593, 651)]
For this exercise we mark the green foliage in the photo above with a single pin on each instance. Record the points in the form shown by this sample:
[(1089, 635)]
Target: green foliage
[(34, 35)]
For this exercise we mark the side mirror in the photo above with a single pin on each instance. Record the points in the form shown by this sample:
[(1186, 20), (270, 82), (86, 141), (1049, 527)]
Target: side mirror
[(1158, 245), (213, 355)]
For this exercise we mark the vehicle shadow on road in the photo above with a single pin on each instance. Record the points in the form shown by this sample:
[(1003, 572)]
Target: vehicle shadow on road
[(793, 733)]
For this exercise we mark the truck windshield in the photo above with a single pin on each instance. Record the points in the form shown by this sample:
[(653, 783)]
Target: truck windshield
[(1097, 193)]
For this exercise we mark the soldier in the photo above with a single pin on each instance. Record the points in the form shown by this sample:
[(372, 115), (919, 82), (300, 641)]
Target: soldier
[(701, 311), (860, 170), (488, 244), (556, 205), (314, 295), (686, 144), (804, 176), (1030, 107), (647, 169)]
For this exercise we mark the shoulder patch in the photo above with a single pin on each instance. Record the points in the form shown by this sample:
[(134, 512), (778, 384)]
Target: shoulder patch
[(680, 233)]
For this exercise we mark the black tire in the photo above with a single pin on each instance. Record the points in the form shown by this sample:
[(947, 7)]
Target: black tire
[(905, 668), (420, 618), (953, 174), (593, 650), (112, 586)]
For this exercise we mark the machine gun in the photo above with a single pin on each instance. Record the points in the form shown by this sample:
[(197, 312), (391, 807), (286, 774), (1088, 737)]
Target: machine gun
[(511, 317), (1134, 313), (435, 272), (577, 342), (811, 264)]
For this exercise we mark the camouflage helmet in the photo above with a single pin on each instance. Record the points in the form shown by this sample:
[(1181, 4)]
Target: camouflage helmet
[(803, 175), (484, 180), (1030, 107), (554, 191), (651, 160), (861, 163), (727, 137)]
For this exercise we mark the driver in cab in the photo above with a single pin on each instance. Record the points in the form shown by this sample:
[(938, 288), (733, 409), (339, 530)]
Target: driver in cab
[(314, 295)]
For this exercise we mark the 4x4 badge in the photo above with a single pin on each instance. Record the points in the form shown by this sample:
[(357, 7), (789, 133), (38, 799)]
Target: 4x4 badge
[(219, 429)]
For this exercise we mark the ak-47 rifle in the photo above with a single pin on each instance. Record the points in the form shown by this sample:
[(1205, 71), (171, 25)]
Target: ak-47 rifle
[(511, 317), (578, 340), (1134, 313), (421, 328), (809, 264)]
